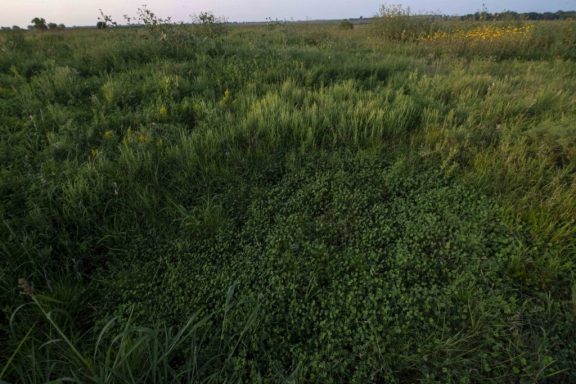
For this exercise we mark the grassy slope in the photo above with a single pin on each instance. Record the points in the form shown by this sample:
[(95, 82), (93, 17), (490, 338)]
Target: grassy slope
[(381, 211)]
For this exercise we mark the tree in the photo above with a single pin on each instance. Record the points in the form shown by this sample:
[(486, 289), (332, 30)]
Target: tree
[(52, 26), (101, 25), (39, 24)]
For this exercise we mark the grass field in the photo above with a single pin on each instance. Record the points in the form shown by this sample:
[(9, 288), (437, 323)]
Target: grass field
[(289, 203)]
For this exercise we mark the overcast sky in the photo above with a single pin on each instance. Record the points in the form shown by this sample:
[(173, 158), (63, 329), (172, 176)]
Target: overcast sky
[(85, 12)]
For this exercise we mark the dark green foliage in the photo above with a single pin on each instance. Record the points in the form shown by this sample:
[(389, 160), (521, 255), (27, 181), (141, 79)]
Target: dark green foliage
[(39, 23), (354, 263), (510, 15), (14, 41)]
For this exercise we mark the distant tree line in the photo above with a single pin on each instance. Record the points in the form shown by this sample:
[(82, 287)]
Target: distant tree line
[(38, 24), (510, 15), (14, 28)]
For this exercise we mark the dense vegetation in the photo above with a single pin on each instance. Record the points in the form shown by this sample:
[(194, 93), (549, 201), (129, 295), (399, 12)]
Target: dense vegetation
[(289, 203), (510, 15)]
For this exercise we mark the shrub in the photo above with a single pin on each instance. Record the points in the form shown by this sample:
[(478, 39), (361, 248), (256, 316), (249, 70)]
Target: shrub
[(396, 23), (206, 24)]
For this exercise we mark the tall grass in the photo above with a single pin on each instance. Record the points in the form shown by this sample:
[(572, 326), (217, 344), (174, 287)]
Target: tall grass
[(123, 351)]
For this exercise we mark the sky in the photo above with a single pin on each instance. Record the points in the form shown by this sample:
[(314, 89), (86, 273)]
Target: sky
[(85, 12)]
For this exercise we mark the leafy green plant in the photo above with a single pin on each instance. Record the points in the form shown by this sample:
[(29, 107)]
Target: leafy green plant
[(209, 25)]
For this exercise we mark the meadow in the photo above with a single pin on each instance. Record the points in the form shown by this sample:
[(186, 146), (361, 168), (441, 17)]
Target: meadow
[(298, 203)]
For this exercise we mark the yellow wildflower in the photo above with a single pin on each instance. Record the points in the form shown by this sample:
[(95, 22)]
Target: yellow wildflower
[(163, 111), (109, 134), (483, 33)]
